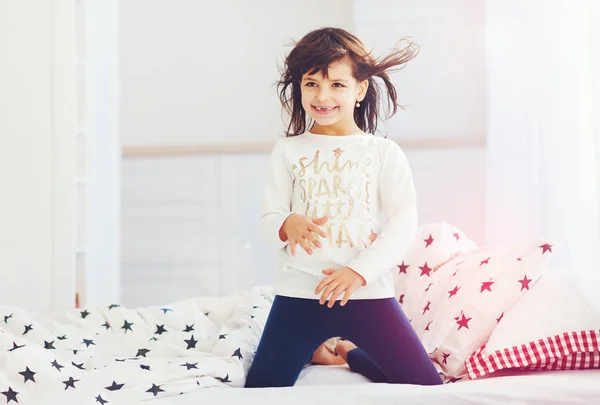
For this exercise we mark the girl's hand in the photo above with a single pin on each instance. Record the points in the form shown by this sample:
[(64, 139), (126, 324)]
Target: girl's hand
[(301, 229), (343, 280)]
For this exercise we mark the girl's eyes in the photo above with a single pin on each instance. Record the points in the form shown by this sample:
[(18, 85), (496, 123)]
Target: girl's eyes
[(313, 84)]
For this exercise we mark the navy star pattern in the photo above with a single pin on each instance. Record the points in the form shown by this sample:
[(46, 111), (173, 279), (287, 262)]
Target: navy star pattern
[(191, 343), (28, 375), (190, 366), (70, 383), (127, 326), (56, 365), (15, 347), (78, 355), (88, 342), (155, 389), (224, 379), (10, 395), (79, 366), (114, 386), (101, 400), (237, 354)]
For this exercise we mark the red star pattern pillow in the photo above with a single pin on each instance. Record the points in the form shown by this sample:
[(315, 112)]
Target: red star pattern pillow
[(468, 296), (553, 327), (435, 244)]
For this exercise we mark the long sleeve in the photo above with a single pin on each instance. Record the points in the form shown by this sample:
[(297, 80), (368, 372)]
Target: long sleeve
[(399, 205), (277, 198)]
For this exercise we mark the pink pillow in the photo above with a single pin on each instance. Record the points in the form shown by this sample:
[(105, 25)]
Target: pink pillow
[(553, 327), (435, 244), (470, 294)]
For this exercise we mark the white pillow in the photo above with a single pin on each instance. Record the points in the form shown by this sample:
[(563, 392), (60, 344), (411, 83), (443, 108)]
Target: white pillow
[(551, 327), (553, 306)]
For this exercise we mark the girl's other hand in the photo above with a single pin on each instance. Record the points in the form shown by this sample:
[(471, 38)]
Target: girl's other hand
[(303, 230), (343, 280)]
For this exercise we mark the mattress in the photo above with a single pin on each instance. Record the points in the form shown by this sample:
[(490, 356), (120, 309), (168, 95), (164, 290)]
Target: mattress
[(338, 385)]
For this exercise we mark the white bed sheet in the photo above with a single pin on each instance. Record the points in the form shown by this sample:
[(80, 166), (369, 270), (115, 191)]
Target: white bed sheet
[(337, 385)]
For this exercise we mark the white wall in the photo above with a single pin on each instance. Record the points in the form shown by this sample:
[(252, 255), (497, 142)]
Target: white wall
[(444, 91), (190, 223), (443, 88), (204, 71), (198, 75), (37, 156)]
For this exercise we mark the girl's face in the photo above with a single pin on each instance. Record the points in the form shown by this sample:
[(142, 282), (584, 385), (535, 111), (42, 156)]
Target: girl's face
[(331, 101)]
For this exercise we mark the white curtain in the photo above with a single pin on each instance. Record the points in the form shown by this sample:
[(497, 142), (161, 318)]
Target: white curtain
[(543, 162)]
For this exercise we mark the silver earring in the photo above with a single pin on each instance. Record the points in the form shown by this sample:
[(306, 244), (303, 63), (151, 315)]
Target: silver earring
[(357, 104)]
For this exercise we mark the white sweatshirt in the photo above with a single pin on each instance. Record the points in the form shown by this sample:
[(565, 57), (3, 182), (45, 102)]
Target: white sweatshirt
[(364, 184)]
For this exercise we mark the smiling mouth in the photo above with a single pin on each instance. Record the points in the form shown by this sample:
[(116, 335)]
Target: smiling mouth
[(323, 110)]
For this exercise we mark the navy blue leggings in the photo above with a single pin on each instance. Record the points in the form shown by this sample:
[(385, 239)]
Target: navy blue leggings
[(388, 350)]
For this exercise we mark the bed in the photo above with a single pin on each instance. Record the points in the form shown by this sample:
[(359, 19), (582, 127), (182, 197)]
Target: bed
[(198, 351), (337, 385)]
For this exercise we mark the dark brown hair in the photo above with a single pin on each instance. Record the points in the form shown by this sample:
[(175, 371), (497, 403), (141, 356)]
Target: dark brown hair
[(317, 50)]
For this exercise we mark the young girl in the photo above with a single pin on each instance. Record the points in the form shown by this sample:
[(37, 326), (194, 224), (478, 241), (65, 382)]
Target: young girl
[(340, 207)]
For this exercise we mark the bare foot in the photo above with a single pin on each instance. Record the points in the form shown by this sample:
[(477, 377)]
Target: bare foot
[(343, 347), (326, 357)]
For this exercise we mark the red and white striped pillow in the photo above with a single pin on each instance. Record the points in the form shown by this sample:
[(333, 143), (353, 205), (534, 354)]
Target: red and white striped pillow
[(552, 327)]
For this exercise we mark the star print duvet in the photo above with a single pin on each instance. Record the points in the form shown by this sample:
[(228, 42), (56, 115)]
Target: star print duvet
[(116, 355)]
